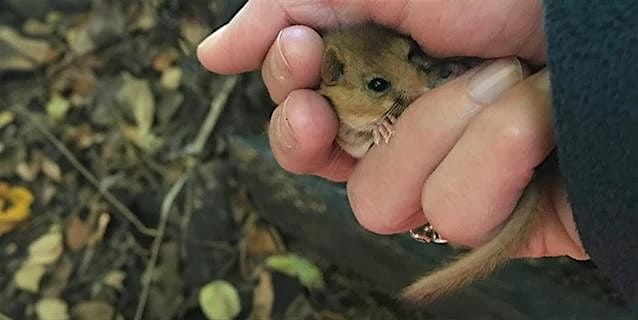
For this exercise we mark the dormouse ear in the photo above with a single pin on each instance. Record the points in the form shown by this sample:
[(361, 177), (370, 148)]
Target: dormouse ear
[(331, 66), (417, 57)]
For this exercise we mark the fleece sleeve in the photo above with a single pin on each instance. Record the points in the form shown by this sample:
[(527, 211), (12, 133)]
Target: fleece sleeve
[(593, 62)]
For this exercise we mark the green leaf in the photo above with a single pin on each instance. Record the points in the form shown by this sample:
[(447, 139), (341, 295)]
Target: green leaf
[(295, 266), (4, 317), (219, 300), (57, 107)]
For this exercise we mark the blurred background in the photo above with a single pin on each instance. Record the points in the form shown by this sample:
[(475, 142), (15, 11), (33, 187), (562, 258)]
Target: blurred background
[(136, 185)]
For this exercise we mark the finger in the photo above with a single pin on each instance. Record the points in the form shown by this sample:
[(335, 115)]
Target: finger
[(441, 27), (458, 28), (301, 133), (385, 187), (555, 230), (292, 62), (473, 190), (241, 45)]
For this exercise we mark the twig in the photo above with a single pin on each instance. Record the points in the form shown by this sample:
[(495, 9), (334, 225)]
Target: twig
[(167, 204), (195, 147), (216, 107), (117, 204)]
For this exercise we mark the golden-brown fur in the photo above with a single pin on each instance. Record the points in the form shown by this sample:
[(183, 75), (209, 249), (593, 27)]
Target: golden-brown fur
[(352, 58)]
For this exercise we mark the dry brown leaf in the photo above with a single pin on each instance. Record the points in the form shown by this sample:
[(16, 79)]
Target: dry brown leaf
[(80, 80), (258, 242), (35, 51), (263, 297), (77, 234), (6, 227), (165, 59)]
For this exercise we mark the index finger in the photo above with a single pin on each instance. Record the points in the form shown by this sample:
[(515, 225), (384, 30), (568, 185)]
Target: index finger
[(441, 27)]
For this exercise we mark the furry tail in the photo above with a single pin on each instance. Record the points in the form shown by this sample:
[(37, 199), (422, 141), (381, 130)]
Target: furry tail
[(483, 260)]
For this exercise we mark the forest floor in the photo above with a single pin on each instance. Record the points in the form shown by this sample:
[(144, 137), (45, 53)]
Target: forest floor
[(117, 195)]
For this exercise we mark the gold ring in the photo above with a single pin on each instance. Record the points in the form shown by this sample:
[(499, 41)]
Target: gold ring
[(427, 234)]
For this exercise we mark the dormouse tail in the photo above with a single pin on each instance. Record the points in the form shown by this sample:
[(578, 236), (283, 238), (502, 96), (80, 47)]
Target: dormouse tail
[(483, 260)]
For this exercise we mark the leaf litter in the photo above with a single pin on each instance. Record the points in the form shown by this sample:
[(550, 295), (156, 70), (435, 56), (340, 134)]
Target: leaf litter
[(114, 136)]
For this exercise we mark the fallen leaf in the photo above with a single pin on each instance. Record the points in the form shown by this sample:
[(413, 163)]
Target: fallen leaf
[(55, 284), (48, 192), (15, 204), (258, 242), (4, 317), (165, 59), (147, 19), (146, 141), (51, 169), (98, 234), (35, 52), (27, 172), (295, 266), (193, 31), (300, 308), (136, 95), (57, 107), (171, 78), (28, 276), (36, 28), (77, 234), (93, 310), (6, 227), (6, 118), (51, 309), (115, 279), (46, 249), (219, 300), (79, 40), (263, 297)]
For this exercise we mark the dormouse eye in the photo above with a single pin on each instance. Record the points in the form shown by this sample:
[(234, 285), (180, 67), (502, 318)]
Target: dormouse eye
[(378, 84)]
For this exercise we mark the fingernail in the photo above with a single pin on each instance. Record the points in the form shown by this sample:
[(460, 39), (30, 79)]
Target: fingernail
[(284, 132), (541, 80), (210, 41), (493, 78), (281, 68)]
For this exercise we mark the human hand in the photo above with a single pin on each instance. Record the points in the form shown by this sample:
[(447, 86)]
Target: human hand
[(465, 160)]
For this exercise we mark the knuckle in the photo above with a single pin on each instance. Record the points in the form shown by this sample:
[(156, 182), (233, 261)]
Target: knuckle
[(368, 215), (446, 212)]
